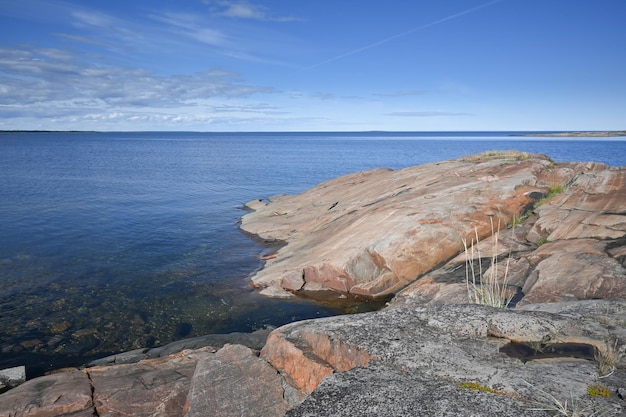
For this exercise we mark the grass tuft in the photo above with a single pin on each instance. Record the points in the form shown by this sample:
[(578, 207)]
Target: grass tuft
[(607, 357), (542, 240), (475, 386), (482, 287), (553, 191), (567, 408), (598, 390), (511, 155)]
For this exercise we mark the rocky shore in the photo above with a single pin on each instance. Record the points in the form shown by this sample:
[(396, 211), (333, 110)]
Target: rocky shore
[(588, 134), (558, 254)]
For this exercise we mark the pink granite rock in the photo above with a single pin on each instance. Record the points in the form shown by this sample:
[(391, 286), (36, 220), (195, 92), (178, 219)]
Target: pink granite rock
[(305, 357), (372, 233), (592, 206), (575, 269), (152, 387), (235, 382), (572, 248), (60, 393)]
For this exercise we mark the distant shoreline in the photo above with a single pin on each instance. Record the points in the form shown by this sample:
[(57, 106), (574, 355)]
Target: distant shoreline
[(604, 134), (563, 134), (48, 131)]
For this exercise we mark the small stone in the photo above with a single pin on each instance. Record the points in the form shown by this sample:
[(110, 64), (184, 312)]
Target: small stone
[(293, 280), (12, 377), (31, 344), (60, 327), (275, 292), (84, 333)]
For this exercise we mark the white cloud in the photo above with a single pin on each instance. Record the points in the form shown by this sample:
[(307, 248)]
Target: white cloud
[(192, 26), (108, 27), (245, 10), (239, 42), (53, 82)]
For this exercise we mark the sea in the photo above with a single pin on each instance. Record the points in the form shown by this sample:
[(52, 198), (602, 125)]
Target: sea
[(116, 241)]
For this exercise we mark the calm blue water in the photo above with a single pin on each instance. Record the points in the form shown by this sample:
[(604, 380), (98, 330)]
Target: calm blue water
[(114, 241)]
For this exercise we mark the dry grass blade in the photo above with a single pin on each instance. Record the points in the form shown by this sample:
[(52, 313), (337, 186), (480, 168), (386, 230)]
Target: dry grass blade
[(571, 408), (486, 287), (607, 358)]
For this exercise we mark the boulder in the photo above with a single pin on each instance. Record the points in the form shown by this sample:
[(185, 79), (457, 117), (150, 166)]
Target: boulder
[(379, 391), (372, 233), (63, 392), (151, 387), (574, 269), (12, 377), (235, 382)]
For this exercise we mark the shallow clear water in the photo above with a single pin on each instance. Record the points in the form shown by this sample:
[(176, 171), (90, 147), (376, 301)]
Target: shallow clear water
[(114, 241)]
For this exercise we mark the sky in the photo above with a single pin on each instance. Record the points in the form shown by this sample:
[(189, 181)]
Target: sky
[(323, 65)]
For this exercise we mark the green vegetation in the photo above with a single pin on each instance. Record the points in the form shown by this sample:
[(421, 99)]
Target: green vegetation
[(553, 190), (598, 390), (475, 386), (542, 240), (510, 155), (518, 219)]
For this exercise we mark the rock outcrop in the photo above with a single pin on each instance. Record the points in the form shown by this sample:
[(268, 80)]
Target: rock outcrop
[(571, 247), (372, 233), (449, 360), (429, 352)]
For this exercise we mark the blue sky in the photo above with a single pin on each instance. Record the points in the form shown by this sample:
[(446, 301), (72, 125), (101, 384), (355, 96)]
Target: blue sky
[(287, 65)]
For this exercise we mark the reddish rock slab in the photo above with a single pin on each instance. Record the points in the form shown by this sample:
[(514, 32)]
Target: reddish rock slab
[(304, 357), (152, 387), (235, 382), (593, 205), (575, 269), (372, 233), (584, 257), (64, 392)]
